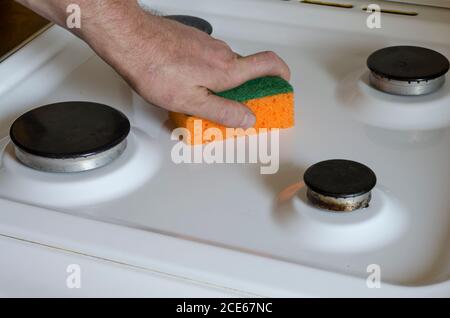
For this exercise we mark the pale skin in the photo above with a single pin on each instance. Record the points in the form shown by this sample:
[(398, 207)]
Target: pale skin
[(170, 65)]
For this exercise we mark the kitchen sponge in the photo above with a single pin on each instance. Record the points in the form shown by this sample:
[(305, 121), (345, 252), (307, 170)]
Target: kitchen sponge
[(271, 99)]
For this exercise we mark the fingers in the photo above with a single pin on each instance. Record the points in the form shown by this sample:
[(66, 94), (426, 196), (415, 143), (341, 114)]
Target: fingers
[(233, 114), (260, 65), (225, 112)]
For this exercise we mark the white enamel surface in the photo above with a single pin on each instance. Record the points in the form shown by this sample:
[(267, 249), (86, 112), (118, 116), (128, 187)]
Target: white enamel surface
[(336, 232), (133, 168), (220, 225), (407, 113), (43, 264)]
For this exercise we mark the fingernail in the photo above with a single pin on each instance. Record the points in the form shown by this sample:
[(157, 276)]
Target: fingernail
[(248, 121)]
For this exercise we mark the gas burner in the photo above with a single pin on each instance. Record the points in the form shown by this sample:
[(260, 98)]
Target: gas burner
[(194, 22), (70, 136), (340, 185), (407, 70)]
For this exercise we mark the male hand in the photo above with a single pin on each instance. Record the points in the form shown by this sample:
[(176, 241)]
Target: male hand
[(169, 64)]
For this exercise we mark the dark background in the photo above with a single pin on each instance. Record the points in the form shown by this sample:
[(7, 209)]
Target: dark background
[(16, 25)]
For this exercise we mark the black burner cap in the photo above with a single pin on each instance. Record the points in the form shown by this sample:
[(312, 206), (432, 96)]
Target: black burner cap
[(408, 63), (194, 22), (69, 130), (340, 178)]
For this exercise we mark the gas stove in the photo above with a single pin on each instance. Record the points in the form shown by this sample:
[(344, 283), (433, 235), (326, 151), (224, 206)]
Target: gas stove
[(372, 109)]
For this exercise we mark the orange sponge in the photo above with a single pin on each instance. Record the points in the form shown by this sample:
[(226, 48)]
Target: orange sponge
[(271, 99)]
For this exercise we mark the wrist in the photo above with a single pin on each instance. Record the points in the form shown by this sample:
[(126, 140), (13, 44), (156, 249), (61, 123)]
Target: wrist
[(108, 21)]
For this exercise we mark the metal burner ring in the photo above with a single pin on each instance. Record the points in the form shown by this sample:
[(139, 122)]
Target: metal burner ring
[(330, 203), (62, 165), (406, 88)]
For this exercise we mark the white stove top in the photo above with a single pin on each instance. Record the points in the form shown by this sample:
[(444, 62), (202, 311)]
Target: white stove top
[(220, 225)]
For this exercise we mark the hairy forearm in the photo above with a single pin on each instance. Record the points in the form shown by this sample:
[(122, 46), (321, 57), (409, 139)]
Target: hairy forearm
[(91, 10), (101, 20), (110, 27)]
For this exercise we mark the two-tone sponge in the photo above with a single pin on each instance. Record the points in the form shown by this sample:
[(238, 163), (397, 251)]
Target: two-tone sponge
[(271, 99)]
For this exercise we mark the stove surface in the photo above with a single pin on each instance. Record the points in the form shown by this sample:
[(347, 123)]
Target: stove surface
[(143, 207)]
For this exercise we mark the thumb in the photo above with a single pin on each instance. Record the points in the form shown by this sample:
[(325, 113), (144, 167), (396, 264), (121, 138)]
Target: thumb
[(224, 112)]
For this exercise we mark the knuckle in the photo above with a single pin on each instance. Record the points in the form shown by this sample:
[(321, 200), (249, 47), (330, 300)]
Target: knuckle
[(223, 57), (222, 44), (227, 62), (271, 56)]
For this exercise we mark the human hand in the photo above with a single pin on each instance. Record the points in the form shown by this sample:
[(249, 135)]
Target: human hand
[(169, 64)]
